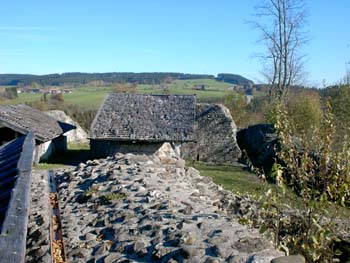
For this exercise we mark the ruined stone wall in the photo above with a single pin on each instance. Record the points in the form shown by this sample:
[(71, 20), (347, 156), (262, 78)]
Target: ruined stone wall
[(216, 136), (104, 148)]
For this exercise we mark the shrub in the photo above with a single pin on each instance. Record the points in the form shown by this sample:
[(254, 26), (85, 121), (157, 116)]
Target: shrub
[(339, 99), (82, 115), (321, 176), (304, 112), (259, 110)]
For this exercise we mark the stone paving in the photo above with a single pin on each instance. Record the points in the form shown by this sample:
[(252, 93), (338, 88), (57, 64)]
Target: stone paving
[(138, 208)]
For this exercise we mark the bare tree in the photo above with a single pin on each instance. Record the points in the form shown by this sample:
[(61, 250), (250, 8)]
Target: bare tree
[(281, 23)]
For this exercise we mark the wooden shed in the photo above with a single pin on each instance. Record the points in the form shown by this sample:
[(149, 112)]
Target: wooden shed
[(142, 123), (49, 133)]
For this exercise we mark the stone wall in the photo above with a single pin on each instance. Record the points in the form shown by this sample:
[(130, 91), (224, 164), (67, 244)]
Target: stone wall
[(104, 148), (216, 136)]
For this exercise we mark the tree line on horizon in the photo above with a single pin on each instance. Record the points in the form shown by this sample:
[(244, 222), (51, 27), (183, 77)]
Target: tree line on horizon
[(77, 78)]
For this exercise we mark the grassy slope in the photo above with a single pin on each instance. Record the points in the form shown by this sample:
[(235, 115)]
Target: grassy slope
[(91, 97), (215, 90), (239, 181), (242, 182), (231, 178), (22, 98)]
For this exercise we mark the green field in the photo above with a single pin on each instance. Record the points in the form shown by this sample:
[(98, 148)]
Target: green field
[(88, 97), (243, 182), (91, 97), (231, 178), (216, 89)]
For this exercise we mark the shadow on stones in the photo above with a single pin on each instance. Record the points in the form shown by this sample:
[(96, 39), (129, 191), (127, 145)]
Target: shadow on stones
[(71, 157)]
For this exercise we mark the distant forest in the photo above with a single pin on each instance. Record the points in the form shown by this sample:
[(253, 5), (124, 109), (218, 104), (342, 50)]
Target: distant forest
[(110, 78)]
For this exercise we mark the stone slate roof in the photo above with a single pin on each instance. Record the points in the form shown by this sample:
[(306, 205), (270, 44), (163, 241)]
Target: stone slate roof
[(10, 154), (16, 162), (23, 119), (150, 118)]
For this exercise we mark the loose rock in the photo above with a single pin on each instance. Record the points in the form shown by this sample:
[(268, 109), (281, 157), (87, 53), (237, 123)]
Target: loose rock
[(138, 208)]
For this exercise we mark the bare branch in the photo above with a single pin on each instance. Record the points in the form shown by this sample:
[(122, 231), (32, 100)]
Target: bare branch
[(280, 23)]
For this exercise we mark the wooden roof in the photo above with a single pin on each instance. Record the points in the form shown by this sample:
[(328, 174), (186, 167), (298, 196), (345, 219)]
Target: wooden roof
[(22, 118), (151, 118), (16, 160)]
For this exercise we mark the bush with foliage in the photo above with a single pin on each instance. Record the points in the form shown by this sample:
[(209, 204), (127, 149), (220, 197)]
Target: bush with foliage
[(304, 111), (339, 99), (84, 116), (312, 166), (237, 105), (124, 87), (244, 113), (9, 93), (321, 177)]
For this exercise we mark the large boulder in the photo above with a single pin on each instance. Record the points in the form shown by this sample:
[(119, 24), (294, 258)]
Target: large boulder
[(216, 136), (259, 143), (77, 135)]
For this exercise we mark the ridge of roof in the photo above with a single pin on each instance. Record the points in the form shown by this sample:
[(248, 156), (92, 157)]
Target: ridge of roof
[(23, 119)]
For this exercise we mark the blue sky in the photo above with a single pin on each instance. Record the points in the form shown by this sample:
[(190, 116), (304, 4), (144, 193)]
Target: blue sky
[(192, 36)]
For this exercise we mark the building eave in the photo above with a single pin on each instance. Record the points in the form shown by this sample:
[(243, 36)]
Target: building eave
[(141, 140)]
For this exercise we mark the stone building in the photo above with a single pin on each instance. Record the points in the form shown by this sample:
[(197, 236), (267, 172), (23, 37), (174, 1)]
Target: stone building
[(200, 87), (216, 136), (142, 123), (49, 133)]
